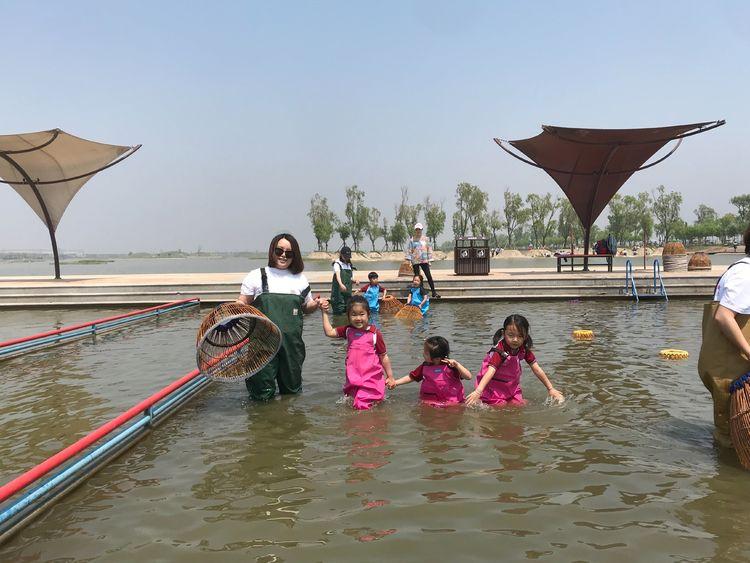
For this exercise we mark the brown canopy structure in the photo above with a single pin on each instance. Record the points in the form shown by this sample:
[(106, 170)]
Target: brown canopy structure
[(590, 165), (47, 168)]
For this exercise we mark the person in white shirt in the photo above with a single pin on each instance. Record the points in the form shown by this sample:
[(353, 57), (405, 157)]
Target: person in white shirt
[(733, 294), (282, 293)]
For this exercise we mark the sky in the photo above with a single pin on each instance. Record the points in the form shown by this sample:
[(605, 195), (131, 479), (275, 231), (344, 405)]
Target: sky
[(246, 109)]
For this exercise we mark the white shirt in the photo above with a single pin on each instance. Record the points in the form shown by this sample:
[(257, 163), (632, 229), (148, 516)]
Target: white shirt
[(733, 291), (338, 265), (279, 281)]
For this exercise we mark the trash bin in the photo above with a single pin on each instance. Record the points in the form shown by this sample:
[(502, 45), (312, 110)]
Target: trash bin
[(471, 256)]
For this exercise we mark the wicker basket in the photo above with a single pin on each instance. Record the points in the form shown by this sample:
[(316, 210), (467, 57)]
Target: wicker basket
[(390, 305), (405, 270), (699, 261), (235, 342), (409, 313), (674, 257), (739, 418)]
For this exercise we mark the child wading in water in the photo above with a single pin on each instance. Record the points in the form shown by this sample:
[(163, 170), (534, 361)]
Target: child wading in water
[(372, 292), (499, 380), (366, 357), (417, 295), (440, 376)]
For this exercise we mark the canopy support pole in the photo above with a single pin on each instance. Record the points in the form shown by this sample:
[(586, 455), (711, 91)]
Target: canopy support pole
[(47, 219), (590, 220)]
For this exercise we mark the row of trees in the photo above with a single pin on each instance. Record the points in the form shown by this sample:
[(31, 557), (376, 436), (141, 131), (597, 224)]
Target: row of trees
[(539, 220)]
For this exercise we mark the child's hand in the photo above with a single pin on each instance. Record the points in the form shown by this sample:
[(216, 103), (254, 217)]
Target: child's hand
[(556, 396), (324, 305), (473, 397), (451, 363), (390, 383)]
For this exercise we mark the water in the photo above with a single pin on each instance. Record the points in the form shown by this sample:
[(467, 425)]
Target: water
[(624, 470), (208, 264)]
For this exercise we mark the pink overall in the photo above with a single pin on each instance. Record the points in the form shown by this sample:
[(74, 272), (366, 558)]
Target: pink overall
[(441, 385), (365, 381), (505, 387)]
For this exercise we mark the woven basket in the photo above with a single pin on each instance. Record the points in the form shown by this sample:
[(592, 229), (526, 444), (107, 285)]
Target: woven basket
[(235, 342), (699, 261), (405, 270), (409, 313), (390, 305), (739, 418), (673, 248)]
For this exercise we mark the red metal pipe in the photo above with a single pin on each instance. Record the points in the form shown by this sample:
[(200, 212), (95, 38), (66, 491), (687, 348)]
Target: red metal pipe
[(98, 321), (12, 487)]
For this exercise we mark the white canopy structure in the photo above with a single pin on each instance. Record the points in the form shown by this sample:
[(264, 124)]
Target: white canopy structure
[(48, 168)]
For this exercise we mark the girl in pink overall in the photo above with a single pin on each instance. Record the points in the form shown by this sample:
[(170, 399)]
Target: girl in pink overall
[(499, 380), (366, 357), (440, 376)]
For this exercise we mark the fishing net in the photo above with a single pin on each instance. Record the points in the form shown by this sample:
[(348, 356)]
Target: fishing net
[(739, 418), (390, 304), (235, 341), (409, 313)]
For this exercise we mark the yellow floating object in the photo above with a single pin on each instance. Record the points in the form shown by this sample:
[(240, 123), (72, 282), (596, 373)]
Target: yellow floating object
[(583, 334), (671, 354)]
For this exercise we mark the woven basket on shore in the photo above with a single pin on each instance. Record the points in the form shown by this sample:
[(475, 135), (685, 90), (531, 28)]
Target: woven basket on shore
[(235, 342), (405, 270), (390, 305), (699, 261), (674, 257), (739, 418), (409, 313)]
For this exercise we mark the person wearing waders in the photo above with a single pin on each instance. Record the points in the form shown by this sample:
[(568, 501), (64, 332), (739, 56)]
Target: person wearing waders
[(341, 284), (282, 293)]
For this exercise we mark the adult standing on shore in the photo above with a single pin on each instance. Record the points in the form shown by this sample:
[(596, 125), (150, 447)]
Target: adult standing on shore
[(341, 284), (419, 252), (281, 291)]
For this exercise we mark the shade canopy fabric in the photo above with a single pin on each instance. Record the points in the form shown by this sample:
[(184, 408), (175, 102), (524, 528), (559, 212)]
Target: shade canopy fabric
[(51, 159), (590, 165)]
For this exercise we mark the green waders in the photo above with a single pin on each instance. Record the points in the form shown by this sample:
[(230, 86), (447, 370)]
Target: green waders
[(339, 299), (286, 367)]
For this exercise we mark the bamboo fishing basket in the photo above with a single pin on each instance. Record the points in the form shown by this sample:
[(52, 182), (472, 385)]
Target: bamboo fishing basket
[(390, 305), (235, 342), (739, 418), (674, 257), (409, 313)]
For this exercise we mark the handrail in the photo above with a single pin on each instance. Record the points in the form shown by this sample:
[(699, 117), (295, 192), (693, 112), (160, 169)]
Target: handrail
[(657, 274), (630, 280)]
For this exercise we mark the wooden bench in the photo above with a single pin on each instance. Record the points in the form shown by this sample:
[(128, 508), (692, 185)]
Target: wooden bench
[(582, 258)]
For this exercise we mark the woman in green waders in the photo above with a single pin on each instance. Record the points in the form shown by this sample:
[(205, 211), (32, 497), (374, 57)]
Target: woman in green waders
[(281, 291), (341, 285)]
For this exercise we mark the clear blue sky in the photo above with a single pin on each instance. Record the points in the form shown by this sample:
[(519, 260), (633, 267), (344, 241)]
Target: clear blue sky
[(246, 109)]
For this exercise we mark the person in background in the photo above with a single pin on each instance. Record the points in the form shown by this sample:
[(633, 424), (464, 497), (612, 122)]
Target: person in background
[(341, 284), (419, 253), (372, 292)]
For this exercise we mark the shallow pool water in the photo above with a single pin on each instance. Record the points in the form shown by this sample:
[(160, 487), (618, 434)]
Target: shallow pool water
[(625, 469)]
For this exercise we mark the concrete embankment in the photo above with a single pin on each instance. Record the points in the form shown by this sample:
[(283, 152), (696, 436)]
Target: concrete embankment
[(212, 288)]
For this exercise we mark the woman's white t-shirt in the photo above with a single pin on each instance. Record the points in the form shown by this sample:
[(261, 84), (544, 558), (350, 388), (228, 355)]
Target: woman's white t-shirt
[(279, 281), (733, 291), (338, 265)]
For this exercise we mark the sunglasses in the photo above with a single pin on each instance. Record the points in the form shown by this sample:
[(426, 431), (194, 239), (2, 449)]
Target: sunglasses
[(281, 252)]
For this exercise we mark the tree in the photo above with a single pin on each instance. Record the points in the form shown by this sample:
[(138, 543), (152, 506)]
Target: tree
[(704, 214), (742, 203), (434, 216), (398, 236), (643, 218), (541, 214), (323, 220), (372, 227), (729, 226), (495, 225), (385, 233), (515, 214), (342, 228), (568, 223), (617, 218), (356, 214), (407, 214), (667, 212), (471, 210)]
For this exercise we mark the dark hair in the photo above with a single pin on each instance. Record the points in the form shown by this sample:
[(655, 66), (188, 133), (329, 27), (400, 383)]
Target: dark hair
[(498, 336), (520, 322), (372, 275), (421, 279), (345, 250), (297, 264), (437, 347), (746, 239), (357, 300)]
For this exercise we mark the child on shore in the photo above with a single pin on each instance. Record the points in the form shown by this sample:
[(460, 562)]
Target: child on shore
[(366, 357), (372, 292), (499, 380), (440, 376), (417, 295)]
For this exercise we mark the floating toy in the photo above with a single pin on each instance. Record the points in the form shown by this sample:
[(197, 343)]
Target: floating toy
[(583, 334), (235, 342), (390, 304), (410, 313), (671, 354), (739, 418)]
